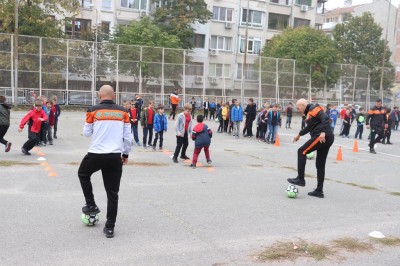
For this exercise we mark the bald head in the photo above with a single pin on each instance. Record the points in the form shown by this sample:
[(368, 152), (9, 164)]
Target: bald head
[(106, 92), (301, 105)]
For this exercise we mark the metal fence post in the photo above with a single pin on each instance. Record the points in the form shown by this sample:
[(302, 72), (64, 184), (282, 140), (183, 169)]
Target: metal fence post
[(40, 65)]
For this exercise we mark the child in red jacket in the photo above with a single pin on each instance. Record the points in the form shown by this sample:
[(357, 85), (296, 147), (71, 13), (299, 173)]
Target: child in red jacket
[(38, 116), (201, 134)]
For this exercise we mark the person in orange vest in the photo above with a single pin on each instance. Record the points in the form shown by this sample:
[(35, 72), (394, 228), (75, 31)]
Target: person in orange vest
[(377, 121), (174, 100)]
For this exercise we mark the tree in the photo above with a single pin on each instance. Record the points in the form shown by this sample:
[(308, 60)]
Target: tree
[(147, 60), (311, 49), (359, 41), (36, 17), (177, 17)]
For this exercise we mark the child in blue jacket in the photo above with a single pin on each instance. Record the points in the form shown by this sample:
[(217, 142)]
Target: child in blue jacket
[(236, 118), (160, 126)]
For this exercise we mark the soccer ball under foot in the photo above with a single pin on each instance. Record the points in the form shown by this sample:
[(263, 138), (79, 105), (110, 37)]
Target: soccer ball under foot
[(292, 191), (90, 219)]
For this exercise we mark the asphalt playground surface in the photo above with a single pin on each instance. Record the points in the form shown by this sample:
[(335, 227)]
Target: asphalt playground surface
[(171, 214)]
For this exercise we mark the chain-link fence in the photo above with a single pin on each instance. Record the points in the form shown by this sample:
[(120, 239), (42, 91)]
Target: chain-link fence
[(74, 70)]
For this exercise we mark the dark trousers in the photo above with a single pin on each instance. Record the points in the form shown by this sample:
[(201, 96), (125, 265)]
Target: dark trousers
[(134, 130), (205, 114), (248, 127), (197, 151), (212, 114), (360, 130), (376, 136), (288, 121), (386, 136), (32, 140), (111, 169), (396, 125), (345, 129), (221, 125), (55, 127), (226, 123), (322, 152), (3, 131), (161, 135), (181, 143), (192, 112), (147, 130), (43, 132), (49, 132), (263, 130), (173, 111)]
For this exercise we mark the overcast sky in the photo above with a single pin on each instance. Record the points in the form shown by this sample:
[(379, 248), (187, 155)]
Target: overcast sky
[(331, 4)]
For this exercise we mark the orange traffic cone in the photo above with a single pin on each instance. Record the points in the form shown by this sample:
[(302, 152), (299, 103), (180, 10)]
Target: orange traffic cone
[(277, 141), (355, 146), (339, 156)]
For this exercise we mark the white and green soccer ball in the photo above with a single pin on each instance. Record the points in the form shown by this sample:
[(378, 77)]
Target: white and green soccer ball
[(90, 219), (292, 191), (310, 155)]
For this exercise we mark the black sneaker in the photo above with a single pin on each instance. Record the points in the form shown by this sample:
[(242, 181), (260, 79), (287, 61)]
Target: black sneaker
[(297, 181), (90, 209), (316, 193), (192, 165), (55, 136), (185, 158), (175, 160), (50, 142), (372, 151), (108, 232), (8, 146), (24, 151), (209, 161)]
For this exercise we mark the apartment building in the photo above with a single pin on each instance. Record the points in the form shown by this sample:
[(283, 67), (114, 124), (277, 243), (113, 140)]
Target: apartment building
[(233, 38), (385, 14)]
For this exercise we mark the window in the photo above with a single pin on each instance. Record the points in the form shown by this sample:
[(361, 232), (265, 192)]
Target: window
[(298, 22), (195, 69), (222, 13), (198, 40), (277, 22), (253, 45), (105, 27), (281, 2), (216, 70), (86, 3), (221, 43), (304, 2), (74, 27), (134, 4), (106, 5), (254, 19), (250, 74)]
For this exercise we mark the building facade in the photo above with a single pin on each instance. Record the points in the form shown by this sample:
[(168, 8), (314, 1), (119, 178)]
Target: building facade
[(384, 13)]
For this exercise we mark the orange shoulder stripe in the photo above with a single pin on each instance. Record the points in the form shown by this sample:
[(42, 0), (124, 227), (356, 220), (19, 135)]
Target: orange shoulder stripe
[(315, 111)]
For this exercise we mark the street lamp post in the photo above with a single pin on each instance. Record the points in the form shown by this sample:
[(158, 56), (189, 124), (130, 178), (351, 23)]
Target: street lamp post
[(15, 98), (95, 52), (384, 51)]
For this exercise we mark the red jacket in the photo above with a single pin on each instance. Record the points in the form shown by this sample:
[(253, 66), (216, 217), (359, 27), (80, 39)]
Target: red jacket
[(34, 115)]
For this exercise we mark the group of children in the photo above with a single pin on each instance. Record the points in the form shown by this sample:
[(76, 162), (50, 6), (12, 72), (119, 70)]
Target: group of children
[(231, 115), (156, 121), (42, 122), (348, 115)]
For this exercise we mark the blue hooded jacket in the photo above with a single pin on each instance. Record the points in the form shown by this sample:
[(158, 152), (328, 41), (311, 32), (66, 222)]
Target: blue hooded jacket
[(160, 123), (237, 114)]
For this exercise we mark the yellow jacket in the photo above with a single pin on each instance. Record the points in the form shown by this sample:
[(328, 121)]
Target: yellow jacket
[(224, 112)]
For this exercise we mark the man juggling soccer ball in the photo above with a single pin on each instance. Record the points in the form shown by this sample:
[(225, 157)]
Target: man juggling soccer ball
[(321, 140)]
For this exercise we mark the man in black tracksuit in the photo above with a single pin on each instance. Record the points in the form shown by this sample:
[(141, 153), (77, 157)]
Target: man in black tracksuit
[(376, 119), (321, 140)]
